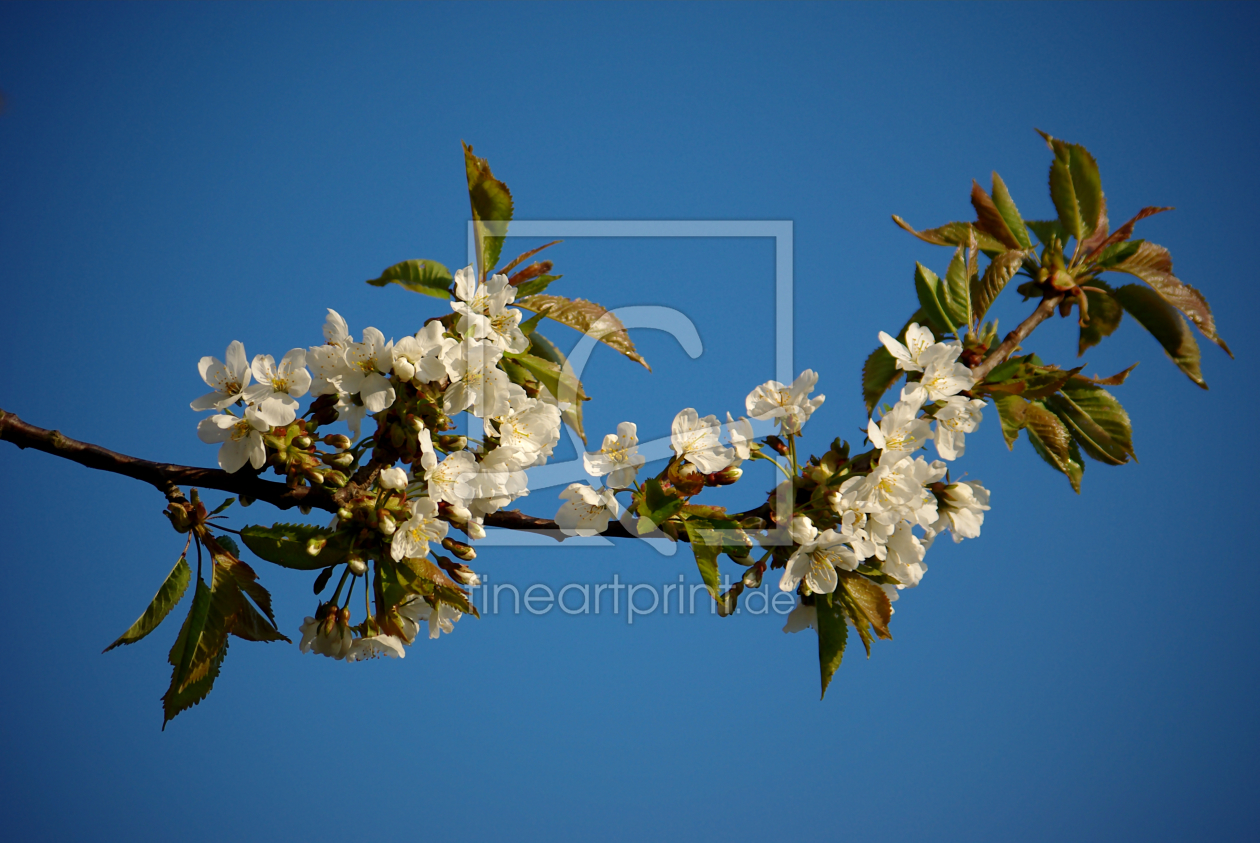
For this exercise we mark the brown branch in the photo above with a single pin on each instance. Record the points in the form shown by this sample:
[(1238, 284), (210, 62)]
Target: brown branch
[(167, 478), (1043, 312)]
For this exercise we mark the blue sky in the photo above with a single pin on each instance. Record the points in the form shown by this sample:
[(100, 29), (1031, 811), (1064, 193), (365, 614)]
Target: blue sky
[(175, 177)]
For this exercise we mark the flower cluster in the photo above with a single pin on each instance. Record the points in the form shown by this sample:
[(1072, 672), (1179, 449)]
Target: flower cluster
[(876, 514), (412, 388)]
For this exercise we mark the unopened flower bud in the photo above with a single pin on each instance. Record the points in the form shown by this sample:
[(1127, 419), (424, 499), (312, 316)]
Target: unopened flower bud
[(397, 437), (451, 443), (475, 530), (404, 368), (344, 614), (304, 508), (393, 478), (459, 549), (336, 478), (752, 577), (315, 545), (338, 460), (725, 477), (345, 514), (303, 442), (463, 575), (337, 440), (387, 525), (460, 513), (777, 443), (358, 567), (415, 424), (244, 500)]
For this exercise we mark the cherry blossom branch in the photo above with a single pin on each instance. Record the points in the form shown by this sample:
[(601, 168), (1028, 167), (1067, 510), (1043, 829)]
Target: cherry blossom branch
[(1043, 312), (167, 478)]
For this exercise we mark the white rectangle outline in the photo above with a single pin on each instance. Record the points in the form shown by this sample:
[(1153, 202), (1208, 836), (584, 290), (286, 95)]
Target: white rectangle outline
[(780, 230)]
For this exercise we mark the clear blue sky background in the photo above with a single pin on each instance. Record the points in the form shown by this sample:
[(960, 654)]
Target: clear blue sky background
[(175, 177)]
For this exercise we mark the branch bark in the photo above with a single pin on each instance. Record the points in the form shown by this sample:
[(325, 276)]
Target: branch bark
[(1043, 312), (167, 478)]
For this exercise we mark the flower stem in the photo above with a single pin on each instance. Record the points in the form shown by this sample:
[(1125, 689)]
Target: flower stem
[(340, 585)]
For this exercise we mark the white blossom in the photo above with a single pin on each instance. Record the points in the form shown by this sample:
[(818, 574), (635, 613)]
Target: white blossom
[(484, 311), (792, 405), (451, 479), (278, 388), (416, 610), (943, 375), (909, 356), (329, 637), (740, 435), (696, 440), (817, 558), (368, 363), (900, 431), (393, 478), (619, 457), (904, 561), (375, 646), (586, 511), (957, 418), (963, 510), (531, 427), (228, 381), (801, 618), (241, 437), (477, 384), (421, 358)]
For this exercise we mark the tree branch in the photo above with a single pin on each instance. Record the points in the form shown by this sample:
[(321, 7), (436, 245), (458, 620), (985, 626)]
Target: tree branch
[(1043, 312), (167, 478)]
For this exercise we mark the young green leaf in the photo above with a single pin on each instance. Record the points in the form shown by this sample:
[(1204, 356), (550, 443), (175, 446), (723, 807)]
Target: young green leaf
[(1053, 443), (1153, 265), (1122, 233), (184, 652), (990, 220), (1105, 411), (589, 318), (833, 634), (1104, 317), (957, 290), (986, 288), (491, 210), (1164, 323), (1011, 409), (1095, 441), (1076, 189), (521, 258), (287, 545), (1063, 195), (419, 276), (536, 285), (169, 594), (954, 234), (870, 599), (1046, 230), (927, 284), (706, 546), (1010, 214), (657, 506)]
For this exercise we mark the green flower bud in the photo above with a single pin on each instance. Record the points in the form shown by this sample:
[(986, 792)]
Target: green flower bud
[(315, 545), (451, 443), (459, 549), (336, 479), (337, 440), (358, 565), (303, 442)]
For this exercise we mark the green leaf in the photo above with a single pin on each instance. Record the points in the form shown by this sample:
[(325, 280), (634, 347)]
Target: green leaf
[(226, 503), (957, 290), (589, 318), (524, 256), (990, 220), (1010, 214), (926, 284), (1103, 410), (491, 210), (953, 234), (870, 599), (1076, 188), (286, 545), (1046, 230), (1123, 233), (170, 592), (1011, 410), (1063, 195), (536, 285), (184, 653), (1053, 443), (657, 506), (427, 277), (986, 289), (1165, 324), (833, 634), (1153, 265), (1104, 317), (229, 544), (880, 370), (706, 544), (557, 377), (1117, 253)]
